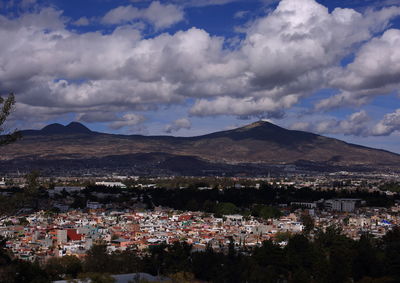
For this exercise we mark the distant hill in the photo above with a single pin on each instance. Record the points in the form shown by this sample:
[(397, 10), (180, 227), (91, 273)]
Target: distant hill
[(58, 129), (257, 145)]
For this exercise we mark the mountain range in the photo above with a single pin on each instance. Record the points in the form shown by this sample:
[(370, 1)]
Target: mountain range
[(250, 149)]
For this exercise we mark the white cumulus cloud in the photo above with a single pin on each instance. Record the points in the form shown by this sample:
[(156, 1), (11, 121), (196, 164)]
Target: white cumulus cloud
[(375, 71), (183, 123), (357, 124), (284, 56), (82, 21), (127, 120), (389, 124)]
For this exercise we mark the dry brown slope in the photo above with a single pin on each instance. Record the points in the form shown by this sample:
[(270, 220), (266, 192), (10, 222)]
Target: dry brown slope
[(260, 142)]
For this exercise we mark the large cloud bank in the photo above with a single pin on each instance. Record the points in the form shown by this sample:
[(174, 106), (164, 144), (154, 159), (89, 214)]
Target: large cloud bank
[(284, 57)]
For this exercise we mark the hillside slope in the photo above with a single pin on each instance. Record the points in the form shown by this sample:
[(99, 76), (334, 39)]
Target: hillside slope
[(257, 143)]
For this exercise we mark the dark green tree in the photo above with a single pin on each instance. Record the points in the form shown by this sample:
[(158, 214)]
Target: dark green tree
[(265, 211), (32, 182), (97, 259), (225, 208), (271, 259), (207, 264), (70, 266), (391, 243), (339, 250), (6, 107), (366, 261), (32, 191), (308, 223)]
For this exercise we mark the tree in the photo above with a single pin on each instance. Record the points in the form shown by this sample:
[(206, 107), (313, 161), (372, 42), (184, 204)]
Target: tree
[(31, 192), (308, 223), (7, 106), (226, 208), (32, 182), (265, 211), (97, 259), (69, 266), (366, 260), (391, 245)]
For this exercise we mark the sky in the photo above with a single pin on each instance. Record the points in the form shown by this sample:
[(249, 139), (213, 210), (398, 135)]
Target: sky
[(187, 68)]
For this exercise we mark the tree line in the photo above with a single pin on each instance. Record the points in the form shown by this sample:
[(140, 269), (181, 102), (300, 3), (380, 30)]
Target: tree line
[(244, 199)]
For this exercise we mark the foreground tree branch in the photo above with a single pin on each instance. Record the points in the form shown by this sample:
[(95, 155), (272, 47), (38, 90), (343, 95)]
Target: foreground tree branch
[(7, 105)]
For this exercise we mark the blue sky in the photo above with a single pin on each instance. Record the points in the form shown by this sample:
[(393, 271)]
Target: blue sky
[(192, 67)]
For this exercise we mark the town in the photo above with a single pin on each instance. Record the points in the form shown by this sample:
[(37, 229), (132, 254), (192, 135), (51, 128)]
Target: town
[(128, 213)]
